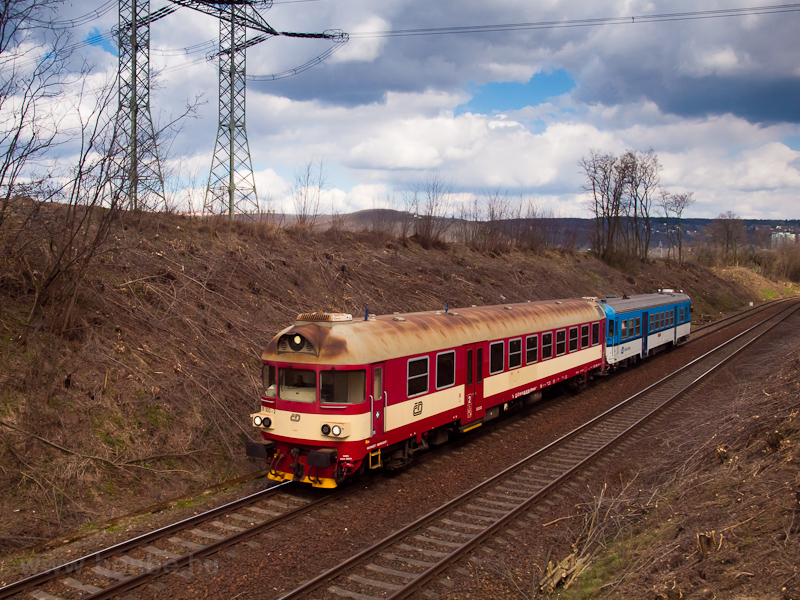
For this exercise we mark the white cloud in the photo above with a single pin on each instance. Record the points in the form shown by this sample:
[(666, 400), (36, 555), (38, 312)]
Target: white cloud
[(381, 111)]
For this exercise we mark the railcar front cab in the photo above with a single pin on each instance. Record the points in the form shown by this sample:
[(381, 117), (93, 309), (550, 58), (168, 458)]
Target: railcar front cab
[(313, 419)]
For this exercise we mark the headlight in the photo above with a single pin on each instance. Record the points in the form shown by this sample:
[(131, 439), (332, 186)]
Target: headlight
[(261, 420), (337, 430)]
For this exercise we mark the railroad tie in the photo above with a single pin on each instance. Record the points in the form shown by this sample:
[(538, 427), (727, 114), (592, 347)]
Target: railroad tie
[(384, 585), (109, 574), (348, 594), (81, 587)]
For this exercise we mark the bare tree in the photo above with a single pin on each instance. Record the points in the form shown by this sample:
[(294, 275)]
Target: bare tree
[(642, 170), (622, 192), (32, 72), (309, 183), (679, 203), (728, 232), (605, 181), (429, 200)]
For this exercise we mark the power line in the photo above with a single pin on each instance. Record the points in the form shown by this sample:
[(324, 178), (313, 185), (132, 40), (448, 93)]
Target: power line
[(629, 20)]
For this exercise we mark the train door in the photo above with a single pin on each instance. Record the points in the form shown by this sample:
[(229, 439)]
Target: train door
[(645, 332), (674, 312), (474, 384), (378, 400)]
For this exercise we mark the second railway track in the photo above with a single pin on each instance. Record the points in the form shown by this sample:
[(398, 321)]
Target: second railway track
[(404, 562)]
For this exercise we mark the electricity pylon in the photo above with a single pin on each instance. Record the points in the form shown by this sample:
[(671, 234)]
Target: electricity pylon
[(231, 182), (135, 139)]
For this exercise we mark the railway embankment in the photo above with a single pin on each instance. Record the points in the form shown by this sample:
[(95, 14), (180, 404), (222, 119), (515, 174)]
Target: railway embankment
[(133, 384)]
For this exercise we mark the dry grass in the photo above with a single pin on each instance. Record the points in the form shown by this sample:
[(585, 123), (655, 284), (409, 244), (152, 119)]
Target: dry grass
[(146, 394)]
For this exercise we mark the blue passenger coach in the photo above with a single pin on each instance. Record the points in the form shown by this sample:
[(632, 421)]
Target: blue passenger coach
[(639, 326)]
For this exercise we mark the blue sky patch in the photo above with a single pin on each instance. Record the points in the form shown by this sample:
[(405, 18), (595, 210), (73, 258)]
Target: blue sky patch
[(793, 142), (101, 40), (494, 98)]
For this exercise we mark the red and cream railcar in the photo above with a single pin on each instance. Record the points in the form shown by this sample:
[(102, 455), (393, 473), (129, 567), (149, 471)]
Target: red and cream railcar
[(343, 395)]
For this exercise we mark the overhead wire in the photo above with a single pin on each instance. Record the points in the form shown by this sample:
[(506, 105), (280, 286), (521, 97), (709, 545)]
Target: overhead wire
[(210, 45), (625, 20)]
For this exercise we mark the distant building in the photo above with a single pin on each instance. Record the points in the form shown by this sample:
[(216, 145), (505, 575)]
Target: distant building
[(782, 237)]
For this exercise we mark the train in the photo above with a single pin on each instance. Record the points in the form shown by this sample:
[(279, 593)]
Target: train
[(344, 396)]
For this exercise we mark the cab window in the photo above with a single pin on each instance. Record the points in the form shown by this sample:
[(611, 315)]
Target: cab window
[(268, 380), (298, 385), (342, 387)]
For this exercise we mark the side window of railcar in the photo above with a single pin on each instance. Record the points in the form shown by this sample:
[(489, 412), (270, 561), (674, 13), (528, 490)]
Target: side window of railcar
[(469, 367), (514, 353), (445, 369), (652, 322), (671, 318), (584, 336), (623, 329), (573, 339), (479, 366), (680, 315), (268, 380), (342, 387), (638, 326), (561, 342), (595, 334), (610, 328), (547, 346), (496, 358), (417, 376), (531, 349)]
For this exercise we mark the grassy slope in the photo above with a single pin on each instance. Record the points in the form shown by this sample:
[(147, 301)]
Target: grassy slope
[(147, 396)]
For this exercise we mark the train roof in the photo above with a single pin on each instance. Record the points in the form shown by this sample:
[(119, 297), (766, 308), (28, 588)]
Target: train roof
[(332, 339), (644, 301)]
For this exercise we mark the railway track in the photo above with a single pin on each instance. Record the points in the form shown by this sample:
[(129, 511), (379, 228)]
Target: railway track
[(185, 545), (405, 561), (125, 566)]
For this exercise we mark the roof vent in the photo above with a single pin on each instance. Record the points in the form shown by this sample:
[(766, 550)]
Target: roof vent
[(325, 317), (401, 319)]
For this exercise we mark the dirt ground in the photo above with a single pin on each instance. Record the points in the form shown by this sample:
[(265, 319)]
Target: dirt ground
[(707, 507), (145, 395)]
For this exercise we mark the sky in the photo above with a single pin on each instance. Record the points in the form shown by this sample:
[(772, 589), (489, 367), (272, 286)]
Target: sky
[(511, 111)]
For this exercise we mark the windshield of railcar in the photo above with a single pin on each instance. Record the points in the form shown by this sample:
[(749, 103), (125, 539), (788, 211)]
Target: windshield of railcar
[(342, 387), (335, 386), (298, 385)]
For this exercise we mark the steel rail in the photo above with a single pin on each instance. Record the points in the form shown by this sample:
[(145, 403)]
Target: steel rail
[(76, 566), (425, 577), (361, 557)]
